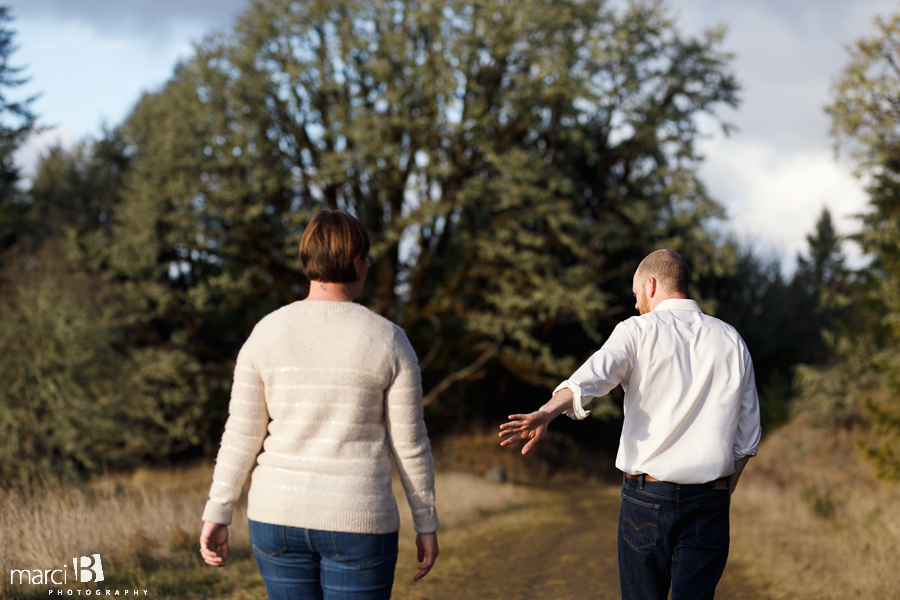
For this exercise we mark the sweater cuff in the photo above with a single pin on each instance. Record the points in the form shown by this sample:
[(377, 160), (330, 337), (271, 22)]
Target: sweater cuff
[(425, 520), (217, 513)]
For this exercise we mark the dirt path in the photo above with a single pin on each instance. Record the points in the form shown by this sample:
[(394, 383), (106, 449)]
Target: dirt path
[(562, 547)]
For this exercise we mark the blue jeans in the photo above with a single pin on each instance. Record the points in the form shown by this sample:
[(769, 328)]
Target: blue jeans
[(671, 533), (324, 565)]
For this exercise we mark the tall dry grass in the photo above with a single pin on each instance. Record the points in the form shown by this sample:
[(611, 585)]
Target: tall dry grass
[(146, 517), (811, 521), (152, 516)]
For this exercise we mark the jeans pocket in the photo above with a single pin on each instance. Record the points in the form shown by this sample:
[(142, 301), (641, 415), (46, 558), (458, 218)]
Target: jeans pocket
[(638, 522), (359, 550), (267, 538), (713, 527)]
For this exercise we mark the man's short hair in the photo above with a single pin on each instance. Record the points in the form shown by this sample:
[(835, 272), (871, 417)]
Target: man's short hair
[(330, 244), (669, 270)]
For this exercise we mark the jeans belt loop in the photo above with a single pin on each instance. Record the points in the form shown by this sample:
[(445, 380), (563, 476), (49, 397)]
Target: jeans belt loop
[(643, 477)]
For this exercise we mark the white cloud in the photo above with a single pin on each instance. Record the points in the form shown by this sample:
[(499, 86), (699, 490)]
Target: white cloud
[(775, 197), (778, 171)]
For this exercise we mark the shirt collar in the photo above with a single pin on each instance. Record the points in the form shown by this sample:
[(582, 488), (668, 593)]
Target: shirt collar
[(678, 304)]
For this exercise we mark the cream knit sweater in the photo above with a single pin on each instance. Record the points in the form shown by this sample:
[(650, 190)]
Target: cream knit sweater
[(338, 388)]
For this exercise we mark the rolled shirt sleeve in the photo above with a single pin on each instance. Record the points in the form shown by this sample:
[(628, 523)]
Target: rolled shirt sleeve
[(749, 432), (603, 371)]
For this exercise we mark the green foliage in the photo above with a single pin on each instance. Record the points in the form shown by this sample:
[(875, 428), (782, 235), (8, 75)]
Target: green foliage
[(829, 395), (17, 121), (74, 192), (513, 163), (864, 116), (864, 112), (73, 402)]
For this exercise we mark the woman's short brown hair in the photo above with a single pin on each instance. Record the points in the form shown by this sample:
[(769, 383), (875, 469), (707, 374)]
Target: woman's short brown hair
[(330, 244)]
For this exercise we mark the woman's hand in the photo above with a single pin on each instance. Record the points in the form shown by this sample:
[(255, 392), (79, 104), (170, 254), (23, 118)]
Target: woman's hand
[(427, 546), (214, 536)]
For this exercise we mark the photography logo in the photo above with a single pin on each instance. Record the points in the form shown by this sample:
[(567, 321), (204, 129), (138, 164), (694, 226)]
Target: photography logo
[(91, 569), (88, 569)]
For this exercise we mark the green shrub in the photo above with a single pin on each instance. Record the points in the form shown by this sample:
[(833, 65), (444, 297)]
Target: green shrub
[(72, 402)]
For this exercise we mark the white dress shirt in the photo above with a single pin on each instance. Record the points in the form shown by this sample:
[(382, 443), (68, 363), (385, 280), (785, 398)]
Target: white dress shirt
[(691, 407)]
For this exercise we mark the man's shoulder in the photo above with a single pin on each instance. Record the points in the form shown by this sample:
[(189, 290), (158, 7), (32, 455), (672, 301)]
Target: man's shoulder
[(711, 321), (663, 318)]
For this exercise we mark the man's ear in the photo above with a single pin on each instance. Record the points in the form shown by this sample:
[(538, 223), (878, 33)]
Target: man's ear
[(651, 287)]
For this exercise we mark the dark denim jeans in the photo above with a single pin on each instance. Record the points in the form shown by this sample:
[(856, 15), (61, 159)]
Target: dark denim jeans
[(324, 565), (671, 533)]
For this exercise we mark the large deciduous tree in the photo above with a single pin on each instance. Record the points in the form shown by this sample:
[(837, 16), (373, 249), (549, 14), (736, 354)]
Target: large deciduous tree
[(513, 162)]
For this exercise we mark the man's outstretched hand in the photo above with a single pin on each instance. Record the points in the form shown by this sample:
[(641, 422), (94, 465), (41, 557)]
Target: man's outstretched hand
[(531, 427)]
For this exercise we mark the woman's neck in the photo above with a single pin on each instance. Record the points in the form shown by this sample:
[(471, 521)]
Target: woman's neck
[(330, 292)]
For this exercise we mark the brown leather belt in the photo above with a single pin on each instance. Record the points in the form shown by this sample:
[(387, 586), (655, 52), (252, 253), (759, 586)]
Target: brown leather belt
[(721, 483)]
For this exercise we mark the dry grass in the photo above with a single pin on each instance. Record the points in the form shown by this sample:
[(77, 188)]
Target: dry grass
[(139, 521), (462, 498), (810, 520), (147, 522)]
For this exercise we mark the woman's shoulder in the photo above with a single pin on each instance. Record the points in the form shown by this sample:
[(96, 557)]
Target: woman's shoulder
[(331, 315)]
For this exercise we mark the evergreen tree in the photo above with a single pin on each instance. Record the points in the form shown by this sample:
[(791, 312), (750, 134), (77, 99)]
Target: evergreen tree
[(880, 238), (786, 323), (17, 121), (865, 119), (75, 401)]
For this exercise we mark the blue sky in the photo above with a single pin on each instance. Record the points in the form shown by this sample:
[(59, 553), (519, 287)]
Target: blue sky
[(92, 59)]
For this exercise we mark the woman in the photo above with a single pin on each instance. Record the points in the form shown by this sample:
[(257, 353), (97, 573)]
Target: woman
[(338, 388)]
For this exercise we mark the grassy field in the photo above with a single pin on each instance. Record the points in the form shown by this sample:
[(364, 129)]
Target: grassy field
[(808, 522), (145, 527)]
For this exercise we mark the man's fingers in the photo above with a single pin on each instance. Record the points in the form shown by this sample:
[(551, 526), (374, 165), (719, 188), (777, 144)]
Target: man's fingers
[(511, 440), (527, 448), (518, 417)]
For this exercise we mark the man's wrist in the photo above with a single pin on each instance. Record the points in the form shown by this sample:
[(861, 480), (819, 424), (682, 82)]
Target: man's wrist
[(558, 404)]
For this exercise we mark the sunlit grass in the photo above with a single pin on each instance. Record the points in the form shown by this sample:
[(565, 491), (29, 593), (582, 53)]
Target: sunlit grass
[(145, 526), (809, 518)]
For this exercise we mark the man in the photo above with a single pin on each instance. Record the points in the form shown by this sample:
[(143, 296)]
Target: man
[(691, 424)]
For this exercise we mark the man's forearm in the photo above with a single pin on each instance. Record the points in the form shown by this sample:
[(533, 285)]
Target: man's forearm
[(559, 403), (738, 469)]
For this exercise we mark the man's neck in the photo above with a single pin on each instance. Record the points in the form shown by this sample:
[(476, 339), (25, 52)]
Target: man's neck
[(654, 302)]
